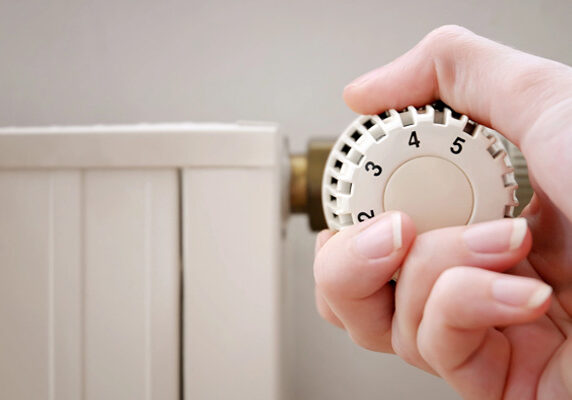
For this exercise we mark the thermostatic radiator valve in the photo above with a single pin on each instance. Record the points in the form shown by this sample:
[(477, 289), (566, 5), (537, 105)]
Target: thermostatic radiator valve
[(432, 163)]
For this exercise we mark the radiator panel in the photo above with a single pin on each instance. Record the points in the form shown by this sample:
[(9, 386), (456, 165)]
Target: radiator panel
[(231, 280), (141, 261), (89, 289)]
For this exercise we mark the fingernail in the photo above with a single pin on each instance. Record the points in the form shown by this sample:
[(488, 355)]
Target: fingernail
[(521, 292), (497, 236), (362, 79), (381, 238)]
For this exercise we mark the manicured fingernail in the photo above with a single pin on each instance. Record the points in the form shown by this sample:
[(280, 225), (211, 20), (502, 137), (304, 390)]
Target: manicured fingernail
[(497, 236), (362, 79), (381, 238), (521, 292)]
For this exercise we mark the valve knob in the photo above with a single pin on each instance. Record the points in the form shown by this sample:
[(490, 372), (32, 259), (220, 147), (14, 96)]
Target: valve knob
[(432, 163)]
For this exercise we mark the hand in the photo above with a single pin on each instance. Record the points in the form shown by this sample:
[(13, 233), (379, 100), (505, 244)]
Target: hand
[(483, 306)]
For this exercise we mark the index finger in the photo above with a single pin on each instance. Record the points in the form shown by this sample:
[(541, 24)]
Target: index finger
[(494, 84)]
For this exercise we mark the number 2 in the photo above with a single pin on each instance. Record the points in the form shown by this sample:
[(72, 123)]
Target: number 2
[(362, 216), (457, 146)]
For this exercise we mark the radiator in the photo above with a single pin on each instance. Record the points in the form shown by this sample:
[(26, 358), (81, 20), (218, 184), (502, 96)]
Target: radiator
[(141, 262)]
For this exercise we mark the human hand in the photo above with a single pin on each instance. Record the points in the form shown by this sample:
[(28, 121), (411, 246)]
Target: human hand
[(473, 304)]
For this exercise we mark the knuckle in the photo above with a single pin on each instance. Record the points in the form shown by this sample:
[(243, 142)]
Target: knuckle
[(324, 310), (327, 315), (323, 268), (335, 269), (441, 41), (324, 276), (321, 239), (448, 280), (371, 342), (425, 254), (449, 285), (446, 33), (404, 351), (319, 270), (425, 346)]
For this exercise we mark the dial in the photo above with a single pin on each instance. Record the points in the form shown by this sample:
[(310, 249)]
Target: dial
[(439, 167)]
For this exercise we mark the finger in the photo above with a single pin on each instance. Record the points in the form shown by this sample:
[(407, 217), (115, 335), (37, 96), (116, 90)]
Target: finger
[(457, 335), (496, 245), (486, 80), (322, 238), (325, 310), (321, 305), (555, 381), (527, 98), (352, 271), (565, 358)]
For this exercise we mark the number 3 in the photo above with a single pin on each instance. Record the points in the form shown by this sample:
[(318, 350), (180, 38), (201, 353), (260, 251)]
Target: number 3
[(370, 166)]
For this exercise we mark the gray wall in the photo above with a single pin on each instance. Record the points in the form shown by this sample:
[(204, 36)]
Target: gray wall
[(110, 61)]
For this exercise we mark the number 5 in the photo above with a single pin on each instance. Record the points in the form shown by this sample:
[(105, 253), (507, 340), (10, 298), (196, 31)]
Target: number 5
[(457, 147)]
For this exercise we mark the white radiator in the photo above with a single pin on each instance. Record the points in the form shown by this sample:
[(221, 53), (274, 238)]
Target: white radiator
[(141, 262)]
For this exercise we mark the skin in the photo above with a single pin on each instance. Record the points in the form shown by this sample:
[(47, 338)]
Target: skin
[(440, 316)]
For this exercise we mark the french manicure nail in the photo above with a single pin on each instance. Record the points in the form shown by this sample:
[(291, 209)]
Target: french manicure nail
[(497, 236), (381, 238), (520, 292), (362, 79)]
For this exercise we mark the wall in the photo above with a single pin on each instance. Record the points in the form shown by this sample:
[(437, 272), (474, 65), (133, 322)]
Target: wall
[(79, 62)]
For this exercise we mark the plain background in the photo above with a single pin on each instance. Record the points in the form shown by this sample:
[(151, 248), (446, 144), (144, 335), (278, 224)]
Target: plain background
[(119, 61)]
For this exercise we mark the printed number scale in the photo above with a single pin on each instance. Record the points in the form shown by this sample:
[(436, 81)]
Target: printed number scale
[(432, 163)]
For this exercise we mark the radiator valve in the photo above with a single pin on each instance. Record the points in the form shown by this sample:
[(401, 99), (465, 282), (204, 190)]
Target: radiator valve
[(432, 163)]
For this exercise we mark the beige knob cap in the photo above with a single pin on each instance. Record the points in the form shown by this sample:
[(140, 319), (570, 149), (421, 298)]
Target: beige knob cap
[(446, 193)]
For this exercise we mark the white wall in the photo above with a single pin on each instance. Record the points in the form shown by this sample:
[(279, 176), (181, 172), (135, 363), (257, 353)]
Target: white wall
[(79, 62)]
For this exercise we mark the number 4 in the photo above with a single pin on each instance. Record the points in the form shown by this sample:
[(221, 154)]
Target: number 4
[(413, 140)]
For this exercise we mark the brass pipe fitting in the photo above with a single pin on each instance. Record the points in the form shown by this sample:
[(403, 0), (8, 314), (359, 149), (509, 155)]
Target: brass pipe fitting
[(306, 173), (298, 184)]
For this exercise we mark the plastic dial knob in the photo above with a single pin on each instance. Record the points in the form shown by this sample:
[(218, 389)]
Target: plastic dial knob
[(439, 167)]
